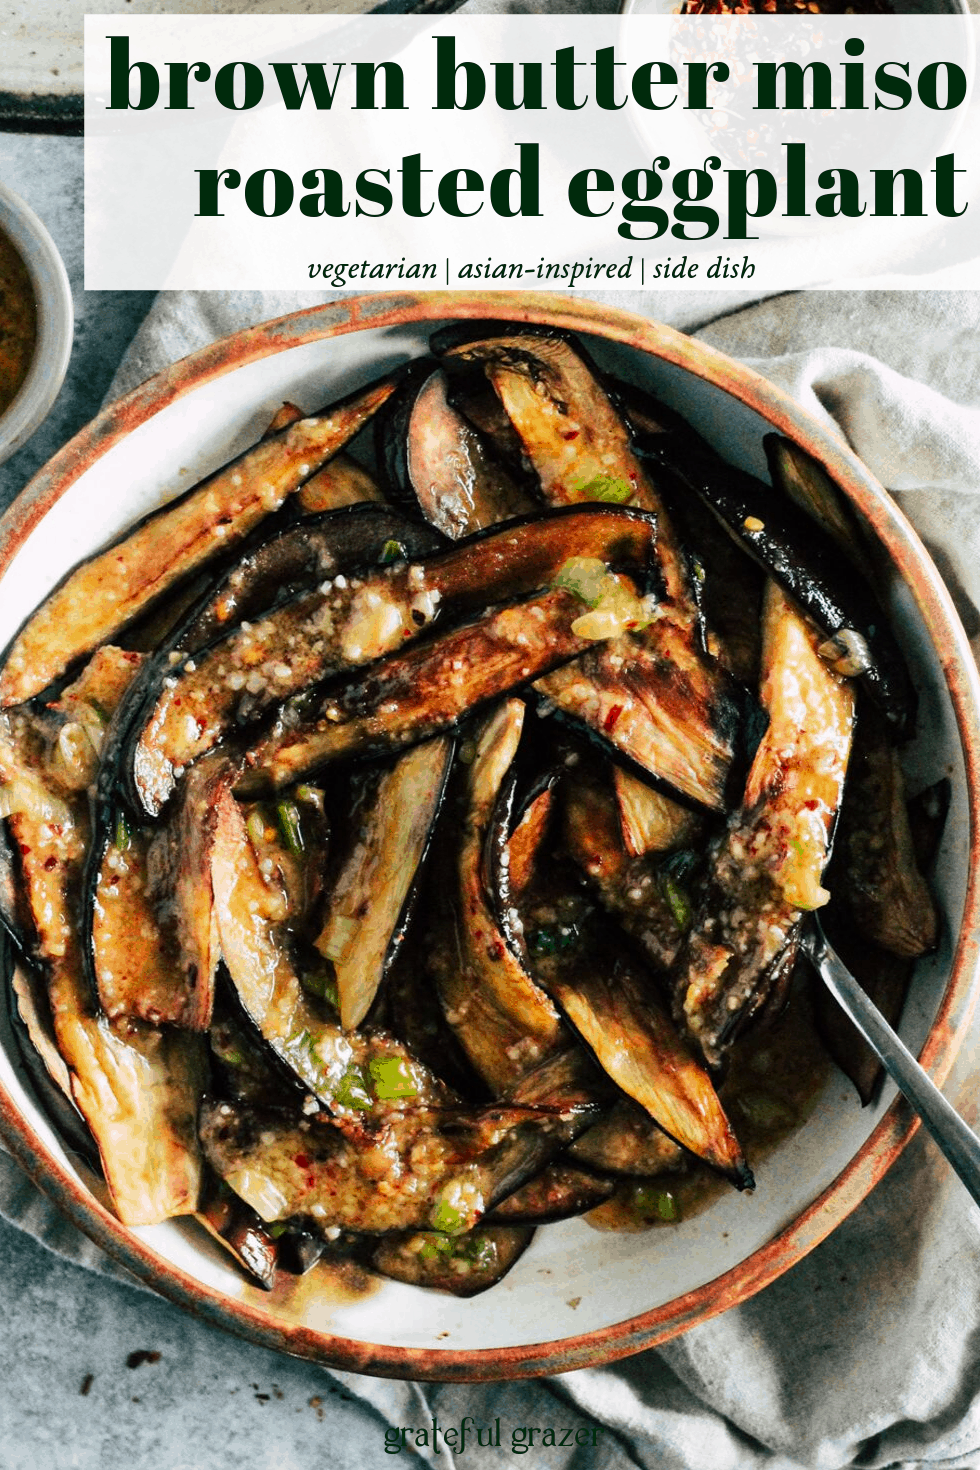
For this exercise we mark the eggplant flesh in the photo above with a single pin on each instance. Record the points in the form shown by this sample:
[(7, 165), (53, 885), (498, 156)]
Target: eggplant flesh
[(350, 621), (369, 907), (767, 870), (443, 1168), (437, 462), (103, 594)]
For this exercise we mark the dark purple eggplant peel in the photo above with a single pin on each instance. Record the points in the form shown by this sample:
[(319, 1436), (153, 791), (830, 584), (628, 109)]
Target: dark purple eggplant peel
[(392, 843)]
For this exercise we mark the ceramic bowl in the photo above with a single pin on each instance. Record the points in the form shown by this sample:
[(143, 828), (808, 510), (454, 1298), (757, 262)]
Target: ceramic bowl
[(577, 1297), (55, 322)]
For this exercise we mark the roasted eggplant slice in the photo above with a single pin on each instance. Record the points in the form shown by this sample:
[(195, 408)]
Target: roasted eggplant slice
[(138, 1090), (885, 976), (463, 1265), (437, 463), (411, 697), (632, 1037), (767, 870), (239, 1230), (103, 594), (879, 877), (571, 433), (806, 563), (503, 1020), (626, 1142), (443, 1169), (181, 705), (371, 902), (149, 926), (352, 1074), (559, 1192), (349, 621)]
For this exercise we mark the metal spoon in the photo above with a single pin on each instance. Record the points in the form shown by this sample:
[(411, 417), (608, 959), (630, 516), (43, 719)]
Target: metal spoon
[(958, 1142)]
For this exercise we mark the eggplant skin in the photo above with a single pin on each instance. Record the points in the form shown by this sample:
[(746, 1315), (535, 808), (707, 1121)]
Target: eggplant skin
[(809, 565)]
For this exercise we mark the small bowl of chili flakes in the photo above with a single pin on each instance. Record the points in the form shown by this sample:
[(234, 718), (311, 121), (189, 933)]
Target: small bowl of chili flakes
[(36, 322)]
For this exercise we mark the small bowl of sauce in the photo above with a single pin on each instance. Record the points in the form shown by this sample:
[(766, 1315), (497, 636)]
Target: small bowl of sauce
[(36, 322)]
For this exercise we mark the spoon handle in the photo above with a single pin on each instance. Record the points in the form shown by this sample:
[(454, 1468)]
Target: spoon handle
[(958, 1142)]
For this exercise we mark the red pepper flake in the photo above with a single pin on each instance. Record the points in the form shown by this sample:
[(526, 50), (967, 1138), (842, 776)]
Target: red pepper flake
[(141, 1356), (301, 1161), (25, 851), (570, 434), (49, 863), (612, 717), (812, 804)]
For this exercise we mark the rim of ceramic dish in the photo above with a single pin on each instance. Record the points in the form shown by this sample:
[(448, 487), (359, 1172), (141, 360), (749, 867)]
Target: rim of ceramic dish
[(55, 322), (945, 631)]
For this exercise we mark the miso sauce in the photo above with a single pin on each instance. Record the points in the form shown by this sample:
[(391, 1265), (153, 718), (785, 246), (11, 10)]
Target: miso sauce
[(18, 323)]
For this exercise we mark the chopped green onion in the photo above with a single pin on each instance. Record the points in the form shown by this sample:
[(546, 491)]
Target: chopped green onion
[(583, 576), (436, 1246), (678, 901), (392, 551), (447, 1218), (657, 1203), (98, 709), (478, 1248), (553, 939), (255, 826), (123, 835), (322, 985), (287, 815), (352, 1091), (391, 1078), (310, 796), (277, 1228), (605, 487)]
